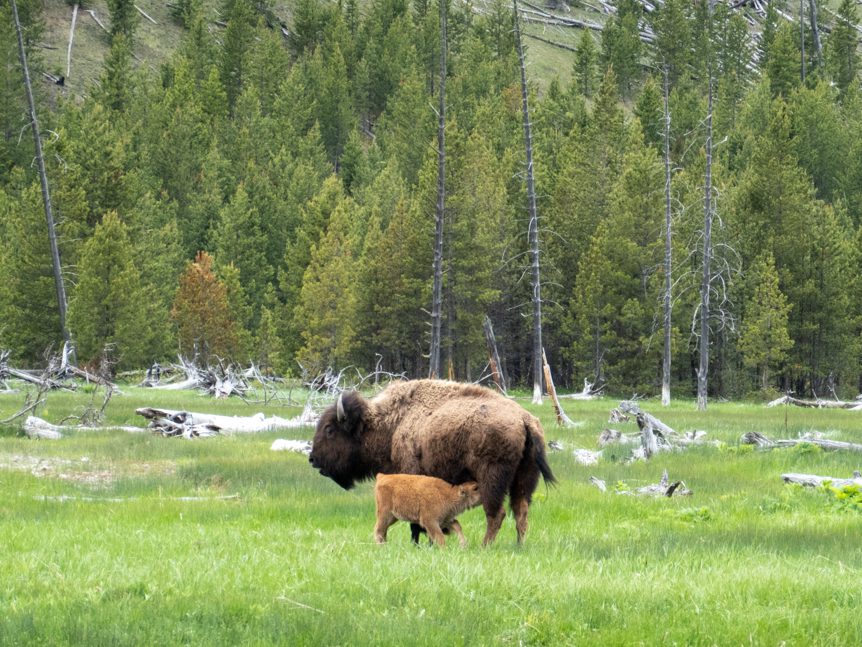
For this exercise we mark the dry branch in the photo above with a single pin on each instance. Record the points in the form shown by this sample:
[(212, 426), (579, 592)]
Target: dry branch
[(41, 429)]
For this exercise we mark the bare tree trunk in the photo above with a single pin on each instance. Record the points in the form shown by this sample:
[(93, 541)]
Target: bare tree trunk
[(437, 290), (43, 178), (494, 356), (665, 369), (534, 222), (802, 35), (818, 47), (71, 38), (703, 368)]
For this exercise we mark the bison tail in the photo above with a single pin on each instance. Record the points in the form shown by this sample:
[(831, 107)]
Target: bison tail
[(534, 437)]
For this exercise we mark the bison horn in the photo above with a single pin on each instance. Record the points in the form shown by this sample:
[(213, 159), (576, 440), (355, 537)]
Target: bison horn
[(339, 408)]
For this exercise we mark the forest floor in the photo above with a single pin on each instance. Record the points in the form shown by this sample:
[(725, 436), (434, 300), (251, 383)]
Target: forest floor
[(131, 539)]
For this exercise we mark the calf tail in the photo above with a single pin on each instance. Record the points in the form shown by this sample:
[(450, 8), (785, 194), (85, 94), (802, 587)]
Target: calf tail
[(536, 438)]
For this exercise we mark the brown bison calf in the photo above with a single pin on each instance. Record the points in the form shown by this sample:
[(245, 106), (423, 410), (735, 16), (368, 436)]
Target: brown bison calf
[(430, 502)]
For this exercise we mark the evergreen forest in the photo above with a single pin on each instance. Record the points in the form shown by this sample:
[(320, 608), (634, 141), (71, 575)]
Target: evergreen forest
[(266, 193)]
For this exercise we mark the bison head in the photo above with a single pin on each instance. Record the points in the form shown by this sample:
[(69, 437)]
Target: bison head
[(337, 447)]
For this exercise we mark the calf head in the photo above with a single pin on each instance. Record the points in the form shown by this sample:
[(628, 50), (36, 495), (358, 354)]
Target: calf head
[(470, 495)]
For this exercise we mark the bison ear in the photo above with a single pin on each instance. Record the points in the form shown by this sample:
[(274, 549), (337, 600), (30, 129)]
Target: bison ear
[(350, 412)]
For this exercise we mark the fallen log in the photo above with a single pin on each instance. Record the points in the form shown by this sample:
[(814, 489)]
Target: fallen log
[(41, 429), (190, 424), (286, 445), (813, 480), (816, 404), (756, 438)]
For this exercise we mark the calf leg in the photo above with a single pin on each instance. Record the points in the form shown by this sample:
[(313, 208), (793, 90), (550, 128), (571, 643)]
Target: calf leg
[(383, 522), (435, 533), (456, 527), (415, 531)]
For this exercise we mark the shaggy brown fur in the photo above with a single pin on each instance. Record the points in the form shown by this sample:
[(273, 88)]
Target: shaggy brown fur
[(431, 502), (456, 432)]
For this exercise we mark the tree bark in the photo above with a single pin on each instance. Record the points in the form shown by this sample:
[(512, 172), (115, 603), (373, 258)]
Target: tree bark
[(534, 221), (437, 290), (43, 179), (665, 368), (562, 418), (705, 286), (493, 356)]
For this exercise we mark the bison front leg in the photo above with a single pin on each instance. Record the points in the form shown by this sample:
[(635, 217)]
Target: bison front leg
[(494, 519)]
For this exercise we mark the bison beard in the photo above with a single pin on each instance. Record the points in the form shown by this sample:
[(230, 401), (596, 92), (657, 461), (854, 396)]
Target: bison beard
[(456, 432)]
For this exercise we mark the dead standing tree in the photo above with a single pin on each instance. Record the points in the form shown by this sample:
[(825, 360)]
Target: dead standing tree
[(437, 290), (665, 366), (43, 178), (534, 221)]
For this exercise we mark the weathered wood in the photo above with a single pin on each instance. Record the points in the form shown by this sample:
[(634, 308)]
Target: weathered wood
[(494, 356), (190, 424), (588, 393), (145, 15), (756, 438), (664, 488), (71, 38), (286, 445), (813, 480), (816, 404), (632, 408), (36, 427), (562, 418)]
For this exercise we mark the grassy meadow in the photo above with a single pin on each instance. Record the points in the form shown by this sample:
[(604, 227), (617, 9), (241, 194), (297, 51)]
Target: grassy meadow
[(100, 548)]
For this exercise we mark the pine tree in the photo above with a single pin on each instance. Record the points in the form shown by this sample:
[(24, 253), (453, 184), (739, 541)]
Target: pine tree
[(202, 312), (586, 57), (107, 305), (326, 311), (28, 299), (238, 240), (764, 339), (782, 66), (842, 57), (621, 46)]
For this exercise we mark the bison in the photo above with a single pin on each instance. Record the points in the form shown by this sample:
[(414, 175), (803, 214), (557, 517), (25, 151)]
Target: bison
[(456, 432), (430, 502)]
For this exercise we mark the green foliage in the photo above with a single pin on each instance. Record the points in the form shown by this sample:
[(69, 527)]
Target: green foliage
[(841, 46), (201, 311), (846, 499), (764, 340), (107, 308)]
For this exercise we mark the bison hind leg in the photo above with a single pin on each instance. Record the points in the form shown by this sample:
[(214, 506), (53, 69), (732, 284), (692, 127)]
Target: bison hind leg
[(521, 493), (415, 531)]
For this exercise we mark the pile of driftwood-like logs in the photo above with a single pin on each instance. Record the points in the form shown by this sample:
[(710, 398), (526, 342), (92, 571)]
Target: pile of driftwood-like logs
[(59, 373), (221, 380)]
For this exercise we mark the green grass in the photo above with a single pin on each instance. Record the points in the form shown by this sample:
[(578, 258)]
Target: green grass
[(292, 561)]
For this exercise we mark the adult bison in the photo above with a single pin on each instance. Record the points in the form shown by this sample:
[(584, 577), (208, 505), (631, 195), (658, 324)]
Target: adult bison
[(456, 432)]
